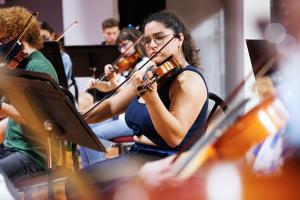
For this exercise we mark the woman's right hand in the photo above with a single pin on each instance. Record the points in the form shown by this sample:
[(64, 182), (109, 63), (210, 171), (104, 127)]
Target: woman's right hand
[(108, 71), (91, 83)]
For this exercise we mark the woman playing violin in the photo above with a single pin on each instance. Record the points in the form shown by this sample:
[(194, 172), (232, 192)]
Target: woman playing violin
[(116, 126), (164, 117), (22, 152)]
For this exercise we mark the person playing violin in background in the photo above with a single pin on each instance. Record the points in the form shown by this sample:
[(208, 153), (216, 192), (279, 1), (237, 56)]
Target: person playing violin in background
[(48, 34), (163, 118), (110, 31), (133, 59), (115, 75), (22, 153)]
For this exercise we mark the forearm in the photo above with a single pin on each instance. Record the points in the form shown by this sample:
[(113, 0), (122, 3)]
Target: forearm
[(99, 113), (165, 123), (105, 86), (114, 105), (9, 111)]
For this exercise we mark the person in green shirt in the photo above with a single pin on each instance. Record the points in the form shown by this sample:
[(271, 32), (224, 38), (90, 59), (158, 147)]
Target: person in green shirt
[(22, 153)]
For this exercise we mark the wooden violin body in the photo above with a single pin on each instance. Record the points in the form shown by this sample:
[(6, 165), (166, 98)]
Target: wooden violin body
[(124, 64), (159, 73), (13, 64), (269, 117), (231, 143)]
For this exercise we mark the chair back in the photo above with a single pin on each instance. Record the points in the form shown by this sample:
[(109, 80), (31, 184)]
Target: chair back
[(218, 103)]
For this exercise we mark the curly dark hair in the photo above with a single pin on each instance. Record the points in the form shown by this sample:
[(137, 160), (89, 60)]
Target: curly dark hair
[(131, 34), (14, 19), (170, 20)]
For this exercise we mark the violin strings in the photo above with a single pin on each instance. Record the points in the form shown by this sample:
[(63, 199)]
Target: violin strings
[(91, 111)]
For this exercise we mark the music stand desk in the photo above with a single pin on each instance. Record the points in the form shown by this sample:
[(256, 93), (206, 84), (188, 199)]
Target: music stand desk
[(89, 60), (52, 52), (48, 112)]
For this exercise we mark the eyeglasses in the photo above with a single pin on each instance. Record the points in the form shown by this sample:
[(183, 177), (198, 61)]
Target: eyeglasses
[(158, 40)]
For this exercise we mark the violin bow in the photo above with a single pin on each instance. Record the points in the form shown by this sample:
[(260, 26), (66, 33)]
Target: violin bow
[(71, 26), (113, 92), (21, 34)]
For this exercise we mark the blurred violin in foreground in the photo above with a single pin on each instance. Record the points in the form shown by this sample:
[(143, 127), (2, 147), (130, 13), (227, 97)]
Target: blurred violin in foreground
[(231, 142)]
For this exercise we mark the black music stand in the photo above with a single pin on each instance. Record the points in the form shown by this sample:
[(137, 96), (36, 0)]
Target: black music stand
[(90, 60), (261, 52), (51, 51), (48, 112)]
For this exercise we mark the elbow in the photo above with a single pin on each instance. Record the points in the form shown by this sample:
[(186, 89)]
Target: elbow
[(176, 136), (173, 144), (175, 140)]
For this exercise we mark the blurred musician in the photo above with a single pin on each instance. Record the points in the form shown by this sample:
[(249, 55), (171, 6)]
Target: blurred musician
[(22, 153), (48, 34)]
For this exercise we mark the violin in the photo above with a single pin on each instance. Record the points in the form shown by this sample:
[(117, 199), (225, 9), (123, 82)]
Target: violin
[(124, 64), (159, 73), (268, 117), (13, 56), (131, 60), (14, 53), (13, 64)]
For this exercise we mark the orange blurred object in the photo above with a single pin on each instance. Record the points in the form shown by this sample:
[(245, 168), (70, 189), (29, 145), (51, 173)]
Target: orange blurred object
[(266, 118)]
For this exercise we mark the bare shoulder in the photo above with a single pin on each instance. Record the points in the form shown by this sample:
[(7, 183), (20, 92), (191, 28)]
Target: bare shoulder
[(190, 82)]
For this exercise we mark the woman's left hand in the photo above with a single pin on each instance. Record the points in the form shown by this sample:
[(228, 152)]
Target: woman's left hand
[(139, 80)]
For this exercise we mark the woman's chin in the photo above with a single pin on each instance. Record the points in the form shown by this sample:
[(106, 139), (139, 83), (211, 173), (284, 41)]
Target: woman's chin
[(158, 60)]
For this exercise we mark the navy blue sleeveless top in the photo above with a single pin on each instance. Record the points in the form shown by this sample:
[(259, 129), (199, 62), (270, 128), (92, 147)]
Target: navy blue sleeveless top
[(138, 118)]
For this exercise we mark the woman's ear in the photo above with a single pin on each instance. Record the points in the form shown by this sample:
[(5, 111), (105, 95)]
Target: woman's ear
[(180, 37)]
